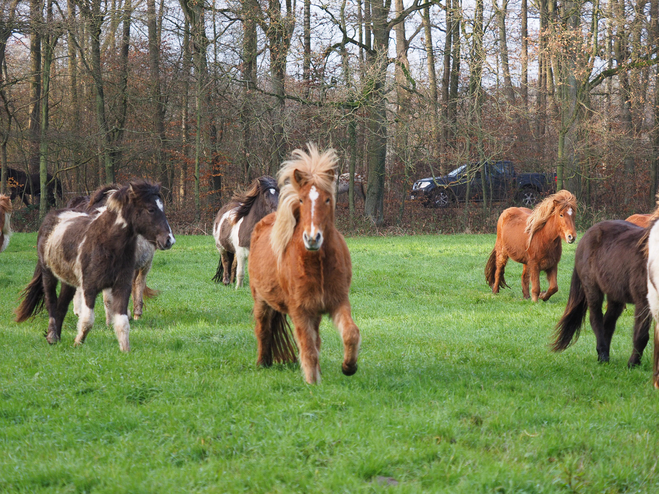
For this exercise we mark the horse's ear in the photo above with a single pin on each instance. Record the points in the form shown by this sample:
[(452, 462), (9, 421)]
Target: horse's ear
[(299, 178)]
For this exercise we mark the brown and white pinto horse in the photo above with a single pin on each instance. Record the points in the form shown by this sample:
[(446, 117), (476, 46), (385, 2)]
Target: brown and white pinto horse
[(143, 254), (94, 252), (653, 285), (5, 216), (299, 265), (642, 220), (343, 186), (235, 222), (533, 238)]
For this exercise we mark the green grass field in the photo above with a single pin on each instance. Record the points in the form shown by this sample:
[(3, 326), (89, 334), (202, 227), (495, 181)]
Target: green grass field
[(456, 391)]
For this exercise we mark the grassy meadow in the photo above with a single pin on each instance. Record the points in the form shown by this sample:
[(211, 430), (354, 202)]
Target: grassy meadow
[(456, 390)]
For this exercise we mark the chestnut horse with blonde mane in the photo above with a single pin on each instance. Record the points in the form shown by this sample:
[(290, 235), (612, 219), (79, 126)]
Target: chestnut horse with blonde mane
[(299, 264), (533, 238), (5, 215), (642, 220)]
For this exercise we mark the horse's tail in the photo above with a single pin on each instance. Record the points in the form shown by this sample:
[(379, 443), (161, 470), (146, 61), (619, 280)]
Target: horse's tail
[(220, 271), (33, 297), (283, 343), (491, 269), (568, 328), (150, 292)]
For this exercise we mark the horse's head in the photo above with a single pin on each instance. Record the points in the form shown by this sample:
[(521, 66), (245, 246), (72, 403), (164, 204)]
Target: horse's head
[(141, 205), (316, 208), (269, 191), (565, 214)]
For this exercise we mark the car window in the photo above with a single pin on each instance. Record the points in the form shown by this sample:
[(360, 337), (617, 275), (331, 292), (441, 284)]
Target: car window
[(457, 171)]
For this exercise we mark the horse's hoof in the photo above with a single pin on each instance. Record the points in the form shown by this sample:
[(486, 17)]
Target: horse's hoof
[(349, 369), (656, 382), (263, 363), (634, 363), (603, 359), (52, 338), (137, 317)]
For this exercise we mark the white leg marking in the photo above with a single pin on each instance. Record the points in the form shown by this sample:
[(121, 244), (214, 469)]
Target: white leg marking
[(85, 323), (121, 329), (241, 256), (78, 300)]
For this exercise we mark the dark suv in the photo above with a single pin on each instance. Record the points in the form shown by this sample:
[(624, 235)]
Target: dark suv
[(501, 179)]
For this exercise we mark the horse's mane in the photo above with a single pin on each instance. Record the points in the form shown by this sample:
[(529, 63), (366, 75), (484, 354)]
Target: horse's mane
[(541, 214), (247, 199), (321, 170), (100, 196), (5, 204), (118, 198)]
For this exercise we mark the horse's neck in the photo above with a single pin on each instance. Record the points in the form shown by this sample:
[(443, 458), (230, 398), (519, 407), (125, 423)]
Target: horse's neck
[(117, 230)]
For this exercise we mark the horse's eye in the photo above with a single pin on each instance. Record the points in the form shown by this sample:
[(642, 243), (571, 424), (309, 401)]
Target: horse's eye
[(300, 201), (327, 201)]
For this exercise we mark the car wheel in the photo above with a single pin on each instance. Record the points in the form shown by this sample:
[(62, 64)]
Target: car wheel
[(528, 197), (440, 198)]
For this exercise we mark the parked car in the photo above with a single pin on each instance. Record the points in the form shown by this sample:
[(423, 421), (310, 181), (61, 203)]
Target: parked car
[(502, 181)]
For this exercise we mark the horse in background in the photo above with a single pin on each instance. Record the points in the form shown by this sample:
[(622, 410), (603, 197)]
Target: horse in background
[(642, 220), (343, 186), (5, 216), (143, 254), (94, 252), (23, 185), (533, 238), (611, 259), (299, 265), (234, 223), (653, 286)]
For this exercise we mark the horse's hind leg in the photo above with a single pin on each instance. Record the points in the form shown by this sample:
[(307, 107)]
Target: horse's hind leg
[(308, 339), (263, 314), (595, 299), (227, 263), (499, 279), (351, 338), (139, 285), (642, 322), (526, 275), (50, 295)]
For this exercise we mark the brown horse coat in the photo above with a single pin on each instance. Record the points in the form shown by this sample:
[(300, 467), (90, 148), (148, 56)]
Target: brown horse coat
[(299, 265), (533, 238), (5, 216), (642, 220)]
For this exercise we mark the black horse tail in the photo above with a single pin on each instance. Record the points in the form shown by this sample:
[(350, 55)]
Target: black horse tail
[(283, 343), (568, 328), (33, 297), (220, 271)]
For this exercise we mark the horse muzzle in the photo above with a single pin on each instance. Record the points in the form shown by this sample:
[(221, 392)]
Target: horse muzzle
[(167, 243), (570, 238), (312, 242)]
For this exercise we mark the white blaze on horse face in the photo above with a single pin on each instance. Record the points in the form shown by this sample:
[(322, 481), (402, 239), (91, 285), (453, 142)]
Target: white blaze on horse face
[(272, 191), (569, 211), (160, 205), (313, 195)]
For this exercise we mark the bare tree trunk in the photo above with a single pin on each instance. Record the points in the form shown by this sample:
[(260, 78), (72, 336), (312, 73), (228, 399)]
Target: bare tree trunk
[(249, 14), (654, 162), (503, 47), (185, 108), (432, 83), (7, 18), (158, 100), (525, 54), (36, 22), (306, 63)]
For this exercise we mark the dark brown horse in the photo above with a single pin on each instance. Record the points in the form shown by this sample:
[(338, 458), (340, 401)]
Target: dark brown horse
[(143, 254), (299, 265), (235, 222), (5, 216), (610, 260), (533, 238), (23, 185), (94, 252)]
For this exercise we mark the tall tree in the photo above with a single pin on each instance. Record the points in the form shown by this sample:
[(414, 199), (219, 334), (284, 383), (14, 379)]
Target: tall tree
[(7, 20)]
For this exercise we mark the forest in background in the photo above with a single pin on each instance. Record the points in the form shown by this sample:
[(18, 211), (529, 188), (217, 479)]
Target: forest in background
[(203, 96)]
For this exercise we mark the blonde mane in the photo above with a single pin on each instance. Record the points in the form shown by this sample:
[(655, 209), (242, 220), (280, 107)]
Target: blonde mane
[(560, 200), (321, 169), (5, 203)]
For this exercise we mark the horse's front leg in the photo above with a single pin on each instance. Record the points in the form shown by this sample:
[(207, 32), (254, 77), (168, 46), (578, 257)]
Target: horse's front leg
[(139, 285), (351, 338), (534, 274), (241, 257), (86, 316), (227, 265), (118, 310), (642, 322), (552, 278), (308, 339), (525, 281)]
